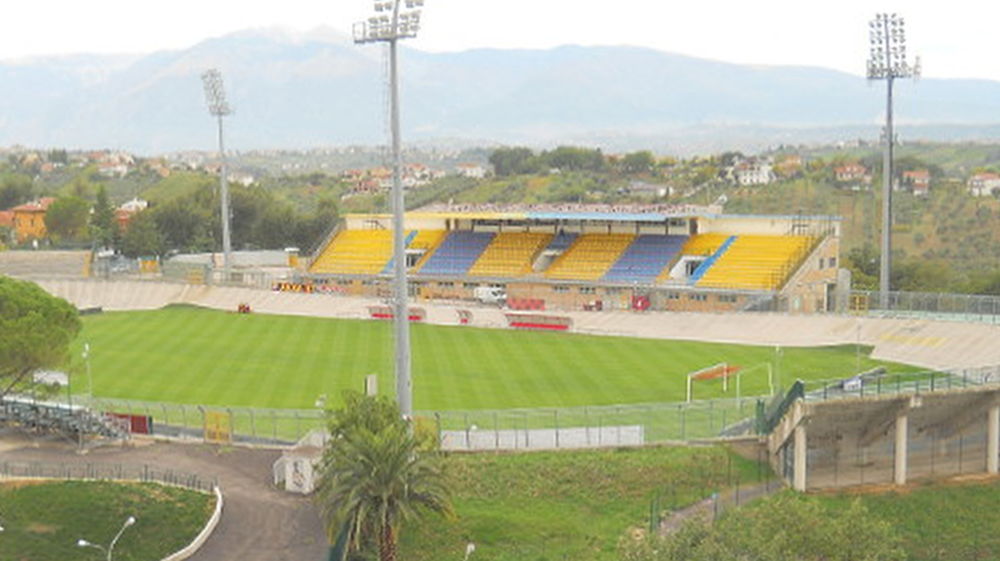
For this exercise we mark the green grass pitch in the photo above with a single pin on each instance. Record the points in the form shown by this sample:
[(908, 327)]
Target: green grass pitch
[(197, 356)]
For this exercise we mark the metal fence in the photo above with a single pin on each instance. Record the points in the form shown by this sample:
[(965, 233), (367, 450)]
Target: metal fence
[(910, 383), (928, 305), (106, 472), (588, 427), (235, 424)]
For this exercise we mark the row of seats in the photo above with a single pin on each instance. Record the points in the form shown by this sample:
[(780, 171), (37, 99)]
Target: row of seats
[(457, 253), (756, 262), (510, 255), (645, 258), (355, 252), (590, 257)]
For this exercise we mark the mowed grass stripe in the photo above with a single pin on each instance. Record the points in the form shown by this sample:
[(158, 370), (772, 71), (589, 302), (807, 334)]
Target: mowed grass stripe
[(196, 356)]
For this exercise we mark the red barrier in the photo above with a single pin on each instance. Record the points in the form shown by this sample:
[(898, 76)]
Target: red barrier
[(137, 424)]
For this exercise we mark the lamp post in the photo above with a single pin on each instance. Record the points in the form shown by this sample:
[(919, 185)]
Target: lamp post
[(218, 107), (392, 23), (887, 61), (111, 547), (90, 380)]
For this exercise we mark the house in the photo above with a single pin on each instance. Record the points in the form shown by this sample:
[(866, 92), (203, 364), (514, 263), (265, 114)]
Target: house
[(918, 180), (752, 171), (789, 165), (472, 171), (854, 171), (29, 219), (983, 184), (126, 211)]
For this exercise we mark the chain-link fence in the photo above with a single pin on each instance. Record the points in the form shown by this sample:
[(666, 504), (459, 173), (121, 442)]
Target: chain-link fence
[(106, 472)]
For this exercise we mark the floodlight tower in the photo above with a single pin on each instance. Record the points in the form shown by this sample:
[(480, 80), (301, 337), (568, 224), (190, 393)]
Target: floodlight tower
[(218, 107), (391, 23), (887, 61)]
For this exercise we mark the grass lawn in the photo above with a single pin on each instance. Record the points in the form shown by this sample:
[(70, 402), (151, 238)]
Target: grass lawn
[(43, 520), (940, 521), (563, 505), (197, 356)]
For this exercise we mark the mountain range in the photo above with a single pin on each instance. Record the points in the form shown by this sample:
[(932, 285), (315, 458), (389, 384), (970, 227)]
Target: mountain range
[(302, 90)]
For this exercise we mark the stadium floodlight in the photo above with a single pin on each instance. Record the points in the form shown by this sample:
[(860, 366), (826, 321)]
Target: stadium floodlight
[(887, 61), (218, 107), (403, 23)]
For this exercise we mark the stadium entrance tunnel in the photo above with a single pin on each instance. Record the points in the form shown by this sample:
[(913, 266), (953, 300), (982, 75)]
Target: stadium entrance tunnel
[(882, 440)]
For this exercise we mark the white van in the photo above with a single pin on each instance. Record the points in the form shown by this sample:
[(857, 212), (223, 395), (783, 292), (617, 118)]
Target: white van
[(490, 295)]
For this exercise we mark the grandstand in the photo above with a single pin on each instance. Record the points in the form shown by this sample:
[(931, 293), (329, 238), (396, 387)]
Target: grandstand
[(692, 259)]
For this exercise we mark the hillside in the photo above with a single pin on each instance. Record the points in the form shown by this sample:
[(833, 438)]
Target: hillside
[(319, 89)]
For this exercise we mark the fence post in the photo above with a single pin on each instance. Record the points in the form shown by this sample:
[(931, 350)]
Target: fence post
[(555, 418)]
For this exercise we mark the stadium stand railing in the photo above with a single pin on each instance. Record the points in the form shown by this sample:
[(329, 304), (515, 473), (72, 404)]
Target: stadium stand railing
[(510, 254), (589, 257)]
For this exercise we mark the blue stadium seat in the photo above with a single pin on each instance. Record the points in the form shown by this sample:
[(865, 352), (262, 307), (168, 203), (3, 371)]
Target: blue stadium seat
[(645, 258), (457, 253)]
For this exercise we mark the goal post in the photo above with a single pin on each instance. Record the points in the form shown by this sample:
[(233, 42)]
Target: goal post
[(726, 371), (720, 370)]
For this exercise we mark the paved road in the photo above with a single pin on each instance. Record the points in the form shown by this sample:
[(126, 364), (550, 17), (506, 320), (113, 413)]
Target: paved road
[(259, 523)]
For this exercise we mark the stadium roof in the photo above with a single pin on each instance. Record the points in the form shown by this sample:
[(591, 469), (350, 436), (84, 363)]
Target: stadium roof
[(593, 216)]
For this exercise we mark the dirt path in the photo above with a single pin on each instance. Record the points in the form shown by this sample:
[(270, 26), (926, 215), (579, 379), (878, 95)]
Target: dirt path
[(711, 507), (259, 523)]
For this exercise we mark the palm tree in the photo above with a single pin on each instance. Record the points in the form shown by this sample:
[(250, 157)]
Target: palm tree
[(373, 480)]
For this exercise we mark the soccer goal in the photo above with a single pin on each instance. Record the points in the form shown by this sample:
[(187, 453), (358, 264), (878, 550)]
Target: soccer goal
[(725, 372)]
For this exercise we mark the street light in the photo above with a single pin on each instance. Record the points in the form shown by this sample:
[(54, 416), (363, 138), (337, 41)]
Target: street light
[(887, 61), (111, 547), (218, 107), (391, 23), (90, 380)]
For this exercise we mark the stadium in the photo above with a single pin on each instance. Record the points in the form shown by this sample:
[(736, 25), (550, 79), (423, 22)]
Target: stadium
[(766, 290), (615, 330), (683, 258)]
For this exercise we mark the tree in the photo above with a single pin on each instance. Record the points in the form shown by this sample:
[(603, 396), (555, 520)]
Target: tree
[(103, 225), (375, 476), (14, 190), (514, 161), (638, 162), (66, 218), (142, 238), (35, 332)]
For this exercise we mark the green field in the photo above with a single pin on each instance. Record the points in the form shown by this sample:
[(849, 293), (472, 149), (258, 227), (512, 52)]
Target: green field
[(564, 505), (938, 521), (43, 521), (197, 356)]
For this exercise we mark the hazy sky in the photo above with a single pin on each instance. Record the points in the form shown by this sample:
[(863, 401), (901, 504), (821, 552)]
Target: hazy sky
[(954, 38)]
